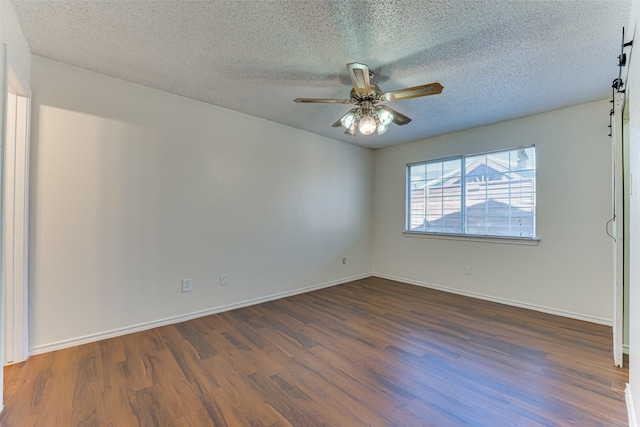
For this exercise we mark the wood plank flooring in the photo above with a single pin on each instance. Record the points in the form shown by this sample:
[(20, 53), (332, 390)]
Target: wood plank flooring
[(367, 353)]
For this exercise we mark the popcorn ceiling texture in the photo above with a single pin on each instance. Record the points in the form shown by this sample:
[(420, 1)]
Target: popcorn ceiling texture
[(497, 59)]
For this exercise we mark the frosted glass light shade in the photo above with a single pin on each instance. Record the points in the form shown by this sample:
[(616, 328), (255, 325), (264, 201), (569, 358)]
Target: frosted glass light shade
[(351, 131), (385, 116), (348, 120), (367, 125)]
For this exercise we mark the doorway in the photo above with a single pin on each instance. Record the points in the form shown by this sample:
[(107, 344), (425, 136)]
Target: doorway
[(16, 216)]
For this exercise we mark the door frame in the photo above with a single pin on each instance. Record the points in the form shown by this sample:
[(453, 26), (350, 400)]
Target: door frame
[(15, 194)]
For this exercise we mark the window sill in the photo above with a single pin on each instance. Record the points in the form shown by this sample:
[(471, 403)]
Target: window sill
[(470, 238)]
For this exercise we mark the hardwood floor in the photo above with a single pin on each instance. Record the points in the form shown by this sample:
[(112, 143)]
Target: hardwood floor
[(368, 353)]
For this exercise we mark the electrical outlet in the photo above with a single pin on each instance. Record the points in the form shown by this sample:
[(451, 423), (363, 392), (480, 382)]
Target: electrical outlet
[(467, 270), (344, 260), (224, 280), (187, 285)]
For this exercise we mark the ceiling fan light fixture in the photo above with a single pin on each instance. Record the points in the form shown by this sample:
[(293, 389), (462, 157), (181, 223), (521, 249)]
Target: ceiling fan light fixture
[(348, 120), (382, 128), (351, 130), (385, 117), (368, 117), (367, 125)]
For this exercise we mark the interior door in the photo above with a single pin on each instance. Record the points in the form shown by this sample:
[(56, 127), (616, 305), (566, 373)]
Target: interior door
[(616, 229)]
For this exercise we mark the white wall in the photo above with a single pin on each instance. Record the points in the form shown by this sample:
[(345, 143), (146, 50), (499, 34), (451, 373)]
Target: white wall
[(633, 98), (134, 189), (569, 272)]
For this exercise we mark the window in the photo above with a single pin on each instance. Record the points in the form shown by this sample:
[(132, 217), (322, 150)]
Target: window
[(489, 194)]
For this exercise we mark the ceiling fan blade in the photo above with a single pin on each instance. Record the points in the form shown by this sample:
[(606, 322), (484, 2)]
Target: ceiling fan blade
[(360, 78), (398, 118), (412, 92), (323, 100)]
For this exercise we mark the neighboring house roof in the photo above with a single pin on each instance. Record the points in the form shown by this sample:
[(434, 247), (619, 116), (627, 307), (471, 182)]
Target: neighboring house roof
[(481, 169)]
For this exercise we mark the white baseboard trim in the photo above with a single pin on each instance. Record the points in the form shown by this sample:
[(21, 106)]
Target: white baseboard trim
[(631, 411), (58, 345), (72, 342), (543, 309)]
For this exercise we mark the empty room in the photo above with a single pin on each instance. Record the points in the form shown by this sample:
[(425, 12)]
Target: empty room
[(320, 213)]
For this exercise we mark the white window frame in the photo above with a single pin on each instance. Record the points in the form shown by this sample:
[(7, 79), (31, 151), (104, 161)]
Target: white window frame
[(463, 236)]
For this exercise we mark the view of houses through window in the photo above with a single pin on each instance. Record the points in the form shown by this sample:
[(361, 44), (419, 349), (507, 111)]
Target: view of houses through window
[(489, 194)]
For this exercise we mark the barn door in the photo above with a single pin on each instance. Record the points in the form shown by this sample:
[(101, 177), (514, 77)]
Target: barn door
[(616, 229)]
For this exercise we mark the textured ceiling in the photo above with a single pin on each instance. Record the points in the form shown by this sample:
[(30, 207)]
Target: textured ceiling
[(497, 59)]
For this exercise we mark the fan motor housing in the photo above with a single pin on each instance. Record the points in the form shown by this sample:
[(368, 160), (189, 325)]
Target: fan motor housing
[(373, 95)]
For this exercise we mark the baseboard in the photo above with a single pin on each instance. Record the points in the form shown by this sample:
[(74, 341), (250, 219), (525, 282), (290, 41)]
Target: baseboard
[(625, 348), (45, 348), (631, 411), (543, 309)]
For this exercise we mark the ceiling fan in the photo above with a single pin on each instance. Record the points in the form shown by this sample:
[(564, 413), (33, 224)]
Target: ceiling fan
[(369, 116)]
